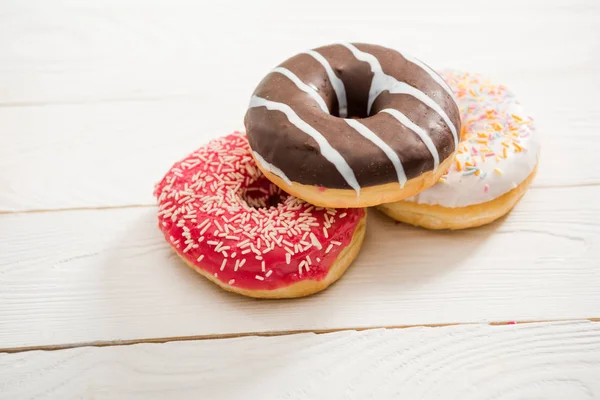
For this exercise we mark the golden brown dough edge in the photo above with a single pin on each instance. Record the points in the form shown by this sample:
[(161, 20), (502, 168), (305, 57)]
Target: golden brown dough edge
[(369, 196), (305, 287), (438, 217)]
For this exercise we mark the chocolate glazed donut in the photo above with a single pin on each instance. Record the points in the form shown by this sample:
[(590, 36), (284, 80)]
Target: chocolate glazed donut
[(353, 125)]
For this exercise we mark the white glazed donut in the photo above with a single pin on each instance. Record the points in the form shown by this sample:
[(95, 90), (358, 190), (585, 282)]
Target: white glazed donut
[(495, 163)]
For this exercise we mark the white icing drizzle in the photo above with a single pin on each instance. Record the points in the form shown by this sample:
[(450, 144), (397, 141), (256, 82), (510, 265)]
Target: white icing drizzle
[(496, 174), (271, 168), (382, 82), (403, 88), (302, 86), (440, 81), (330, 154), (403, 119), (389, 152), (338, 85)]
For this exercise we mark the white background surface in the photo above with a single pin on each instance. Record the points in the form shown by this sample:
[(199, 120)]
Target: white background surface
[(98, 100)]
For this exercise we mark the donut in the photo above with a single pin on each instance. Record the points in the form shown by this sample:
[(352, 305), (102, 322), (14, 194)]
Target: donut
[(235, 227), (352, 125), (496, 161)]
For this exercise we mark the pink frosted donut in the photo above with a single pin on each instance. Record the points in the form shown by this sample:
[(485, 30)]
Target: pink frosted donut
[(228, 222)]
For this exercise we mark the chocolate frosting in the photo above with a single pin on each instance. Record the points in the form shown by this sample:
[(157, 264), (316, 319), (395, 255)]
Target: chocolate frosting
[(368, 72)]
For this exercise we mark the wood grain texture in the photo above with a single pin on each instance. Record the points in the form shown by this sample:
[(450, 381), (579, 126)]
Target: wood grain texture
[(97, 102), (550, 361), (107, 155), (80, 51), (108, 275)]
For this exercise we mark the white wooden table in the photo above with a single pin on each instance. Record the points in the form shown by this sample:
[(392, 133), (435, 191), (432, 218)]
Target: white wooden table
[(98, 99)]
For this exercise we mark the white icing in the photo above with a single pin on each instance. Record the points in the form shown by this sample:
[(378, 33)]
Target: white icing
[(403, 119), (461, 188), (302, 86), (338, 85), (434, 75), (403, 88), (382, 82), (389, 152), (330, 154), (271, 168)]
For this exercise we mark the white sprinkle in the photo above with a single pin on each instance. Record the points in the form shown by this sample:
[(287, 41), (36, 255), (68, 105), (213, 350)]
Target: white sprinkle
[(288, 258), (231, 281), (246, 251), (269, 273), (308, 260), (205, 228), (218, 225), (242, 263), (233, 254), (303, 263), (254, 249), (329, 248), (315, 242), (325, 232), (262, 266), (342, 215), (223, 264), (200, 258), (232, 237), (318, 260), (260, 278), (336, 242), (237, 264)]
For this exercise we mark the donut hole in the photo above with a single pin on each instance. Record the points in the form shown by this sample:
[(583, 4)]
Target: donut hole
[(262, 193)]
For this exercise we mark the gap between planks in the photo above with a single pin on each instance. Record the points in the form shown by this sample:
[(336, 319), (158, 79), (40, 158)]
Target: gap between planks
[(80, 102), (125, 206), (49, 210), (267, 334)]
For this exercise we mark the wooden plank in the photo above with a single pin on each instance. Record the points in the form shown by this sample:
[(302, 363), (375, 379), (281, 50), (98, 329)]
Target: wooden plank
[(100, 155), (107, 275), (107, 155), (76, 51), (98, 103), (529, 361)]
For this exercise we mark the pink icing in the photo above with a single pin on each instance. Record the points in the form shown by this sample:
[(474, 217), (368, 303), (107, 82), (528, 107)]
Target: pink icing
[(216, 202)]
